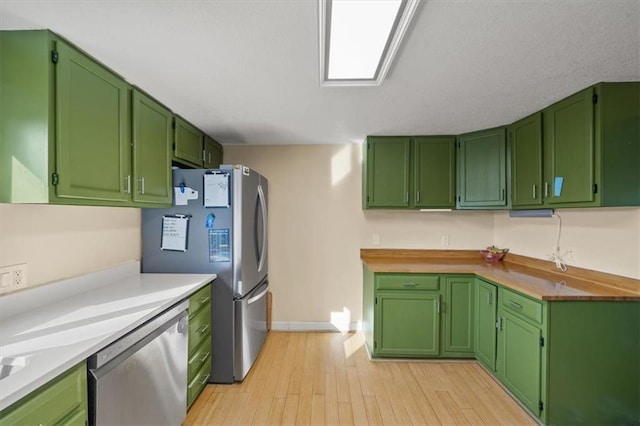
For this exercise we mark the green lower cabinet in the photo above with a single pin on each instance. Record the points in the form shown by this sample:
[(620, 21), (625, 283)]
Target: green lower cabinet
[(199, 353), (63, 401), (458, 314), (519, 355), (407, 324), (485, 323)]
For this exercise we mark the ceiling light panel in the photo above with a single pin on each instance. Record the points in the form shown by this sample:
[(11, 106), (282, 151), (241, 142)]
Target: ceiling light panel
[(359, 38)]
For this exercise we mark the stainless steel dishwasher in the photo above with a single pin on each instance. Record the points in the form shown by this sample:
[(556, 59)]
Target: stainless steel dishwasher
[(141, 379)]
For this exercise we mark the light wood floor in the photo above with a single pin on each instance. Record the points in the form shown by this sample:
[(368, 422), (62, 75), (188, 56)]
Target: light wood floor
[(327, 378)]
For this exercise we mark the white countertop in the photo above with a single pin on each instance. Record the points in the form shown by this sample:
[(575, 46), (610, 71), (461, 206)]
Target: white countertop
[(55, 333)]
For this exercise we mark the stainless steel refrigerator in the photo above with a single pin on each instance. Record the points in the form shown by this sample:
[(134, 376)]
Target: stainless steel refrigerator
[(218, 224)]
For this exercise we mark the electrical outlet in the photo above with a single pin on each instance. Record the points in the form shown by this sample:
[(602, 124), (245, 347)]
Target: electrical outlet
[(14, 277), (444, 241)]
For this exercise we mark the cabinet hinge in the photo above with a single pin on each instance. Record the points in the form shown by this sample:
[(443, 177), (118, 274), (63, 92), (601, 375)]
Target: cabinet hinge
[(458, 198), (173, 124), (595, 188), (54, 179), (376, 300), (541, 341), (594, 99), (540, 406), (375, 344), (367, 198), (458, 144), (54, 56)]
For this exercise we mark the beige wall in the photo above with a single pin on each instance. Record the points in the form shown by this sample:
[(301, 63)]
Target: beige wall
[(317, 227), (59, 242), (606, 240)]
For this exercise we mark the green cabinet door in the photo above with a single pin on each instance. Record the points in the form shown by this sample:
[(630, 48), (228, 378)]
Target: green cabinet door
[(482, 169), (62, 401), (525, 137), (387, 168), (187, 143), (407, 324), (152, 142), (212, 153), (458, 314), (519, 355), (434, 171), (569, 149), (485, 323), (93, 152)]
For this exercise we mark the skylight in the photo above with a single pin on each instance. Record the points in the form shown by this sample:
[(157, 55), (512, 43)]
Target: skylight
[(359, 38)]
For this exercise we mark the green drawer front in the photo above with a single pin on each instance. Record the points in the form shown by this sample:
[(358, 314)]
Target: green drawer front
[(407, 282), (61, 401), (199, 328), (199, 300), (198, 383), (201, 355), (522, 305)]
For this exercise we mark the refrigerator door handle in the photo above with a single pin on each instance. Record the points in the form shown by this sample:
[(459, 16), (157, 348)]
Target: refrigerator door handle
[(257, 297), (263, 211)]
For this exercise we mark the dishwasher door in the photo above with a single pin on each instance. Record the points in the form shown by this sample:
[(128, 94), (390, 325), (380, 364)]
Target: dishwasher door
[(141, 379)]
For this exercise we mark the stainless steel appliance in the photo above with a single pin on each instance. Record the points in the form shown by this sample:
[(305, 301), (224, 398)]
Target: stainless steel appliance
[(220, 219), (141, 379)]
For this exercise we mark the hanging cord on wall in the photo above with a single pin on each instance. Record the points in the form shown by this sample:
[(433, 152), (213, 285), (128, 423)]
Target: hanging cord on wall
[(556, 256)]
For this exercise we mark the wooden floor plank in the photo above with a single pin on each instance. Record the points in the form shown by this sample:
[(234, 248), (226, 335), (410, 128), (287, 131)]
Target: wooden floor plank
[(328, 379)]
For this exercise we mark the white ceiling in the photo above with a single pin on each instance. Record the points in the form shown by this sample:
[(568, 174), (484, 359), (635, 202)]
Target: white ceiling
[(246, 72)]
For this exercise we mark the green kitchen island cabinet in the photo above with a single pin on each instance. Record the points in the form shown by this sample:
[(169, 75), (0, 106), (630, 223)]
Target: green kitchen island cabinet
[(62, 401), (592, 147), (482, 169), (404, 172)]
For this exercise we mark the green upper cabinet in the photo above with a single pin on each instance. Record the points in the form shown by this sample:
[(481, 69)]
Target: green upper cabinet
[(482, 169), (65, 132), (93, 154), (409, 172), (212, 153), (525, 137), (188, 140), (592, 147), (485, 323), (434, 172), (458, 313), (152, 142), (387, 169)]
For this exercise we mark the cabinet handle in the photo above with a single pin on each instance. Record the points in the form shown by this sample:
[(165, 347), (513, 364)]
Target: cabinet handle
[(546, 190), (499, 324), (417, 196), (515, 305), (502, 195), (437, 306), (406, 197), (128, 180), (534, 191), (206, 379), (141, 180), (204, 300), (204, 357), (204, 155), (203, 329), (489, 301), (409, 284)]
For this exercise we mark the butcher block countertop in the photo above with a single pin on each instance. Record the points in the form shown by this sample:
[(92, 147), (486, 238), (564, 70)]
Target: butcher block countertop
[(536, 278)]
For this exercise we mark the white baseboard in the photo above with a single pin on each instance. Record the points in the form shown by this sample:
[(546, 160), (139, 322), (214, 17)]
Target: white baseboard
[(311, 326)]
